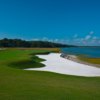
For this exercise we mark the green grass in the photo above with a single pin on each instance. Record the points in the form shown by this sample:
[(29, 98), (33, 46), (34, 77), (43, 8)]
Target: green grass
[(18, 84)]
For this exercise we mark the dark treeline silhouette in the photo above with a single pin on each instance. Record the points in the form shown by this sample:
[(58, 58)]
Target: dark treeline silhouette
[(22, 43)]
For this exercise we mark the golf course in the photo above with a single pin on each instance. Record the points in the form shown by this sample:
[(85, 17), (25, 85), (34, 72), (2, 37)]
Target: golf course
[(19, 84)]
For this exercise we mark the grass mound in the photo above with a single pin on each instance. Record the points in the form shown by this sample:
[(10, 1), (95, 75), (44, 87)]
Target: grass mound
[(26, 64)]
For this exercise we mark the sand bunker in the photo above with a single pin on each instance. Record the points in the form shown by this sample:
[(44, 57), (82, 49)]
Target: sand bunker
[(57, 64)]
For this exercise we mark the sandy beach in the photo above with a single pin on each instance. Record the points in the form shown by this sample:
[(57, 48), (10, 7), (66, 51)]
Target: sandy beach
[(57, 64)]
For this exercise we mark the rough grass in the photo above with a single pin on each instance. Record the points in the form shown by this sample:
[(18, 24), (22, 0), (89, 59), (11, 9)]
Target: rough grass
[(18, 84), (90, 60)]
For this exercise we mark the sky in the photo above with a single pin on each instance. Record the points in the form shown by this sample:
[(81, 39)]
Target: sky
[(65, 21)]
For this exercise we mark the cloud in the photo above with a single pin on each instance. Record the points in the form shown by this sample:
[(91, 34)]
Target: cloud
[(44, 39), (56, 40), (99, 41), (75, 36), (36, 39), (91, 33), (94, 38), (87, 40), (87, 37), (82, 41)]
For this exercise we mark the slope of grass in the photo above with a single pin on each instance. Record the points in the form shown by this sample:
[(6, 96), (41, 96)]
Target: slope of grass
[(18, 84)]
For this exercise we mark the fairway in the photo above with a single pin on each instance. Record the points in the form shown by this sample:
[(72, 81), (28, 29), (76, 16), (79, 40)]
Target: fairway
[(19, 84)]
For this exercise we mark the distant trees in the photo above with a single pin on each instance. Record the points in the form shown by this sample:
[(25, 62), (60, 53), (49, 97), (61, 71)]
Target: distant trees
[(22, 43)]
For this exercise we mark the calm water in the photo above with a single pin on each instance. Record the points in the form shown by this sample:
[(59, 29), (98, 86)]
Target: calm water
[(93, 52)]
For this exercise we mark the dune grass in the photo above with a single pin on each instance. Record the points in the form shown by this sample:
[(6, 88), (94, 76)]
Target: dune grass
[(90, 60), (18, 84)]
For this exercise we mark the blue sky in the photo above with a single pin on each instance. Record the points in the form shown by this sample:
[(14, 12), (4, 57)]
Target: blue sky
[(65, 21)]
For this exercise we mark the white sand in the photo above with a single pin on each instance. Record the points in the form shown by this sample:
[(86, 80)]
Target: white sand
[(57, 64)]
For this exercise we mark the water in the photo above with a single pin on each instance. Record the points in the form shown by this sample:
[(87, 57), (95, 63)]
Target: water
[(93, 52)]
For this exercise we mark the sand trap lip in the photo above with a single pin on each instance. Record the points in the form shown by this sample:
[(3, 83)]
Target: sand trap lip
[(57, 64)]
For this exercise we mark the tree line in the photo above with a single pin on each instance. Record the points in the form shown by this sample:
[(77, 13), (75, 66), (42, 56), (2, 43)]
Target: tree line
[(23, 43)]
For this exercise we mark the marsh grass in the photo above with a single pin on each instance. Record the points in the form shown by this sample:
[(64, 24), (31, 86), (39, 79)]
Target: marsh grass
[(90, 60)]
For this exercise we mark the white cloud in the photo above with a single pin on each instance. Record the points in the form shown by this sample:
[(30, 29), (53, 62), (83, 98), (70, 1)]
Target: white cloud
[(99, 41), (50, 40), (87, 40), (44, 39), (87, 37), (56, 40), (36, 39), (91, 33), (94, 38), (76, 35), (81, 39)]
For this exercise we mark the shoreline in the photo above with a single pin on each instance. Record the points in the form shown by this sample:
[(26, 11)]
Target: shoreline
[(76, 59), (57, 64)]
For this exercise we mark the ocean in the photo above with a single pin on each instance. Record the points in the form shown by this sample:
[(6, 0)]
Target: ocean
[(92, 52)]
